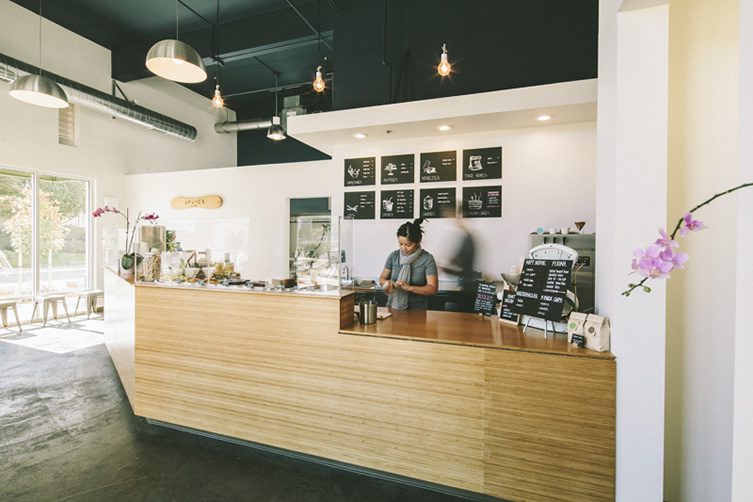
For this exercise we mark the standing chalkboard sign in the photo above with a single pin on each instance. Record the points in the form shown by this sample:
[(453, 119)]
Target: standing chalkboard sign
[(543, 288), (486, 298), (505, 311)]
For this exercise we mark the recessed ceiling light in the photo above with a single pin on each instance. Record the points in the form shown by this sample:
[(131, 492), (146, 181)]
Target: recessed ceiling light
[(544, 117), (359, 135), (444, 127)]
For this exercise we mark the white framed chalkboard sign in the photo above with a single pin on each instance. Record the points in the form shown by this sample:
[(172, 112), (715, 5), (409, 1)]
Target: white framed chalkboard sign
[(506, 315)]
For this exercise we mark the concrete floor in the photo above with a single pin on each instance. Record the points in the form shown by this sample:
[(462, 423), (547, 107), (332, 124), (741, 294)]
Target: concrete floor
[(67, 433)]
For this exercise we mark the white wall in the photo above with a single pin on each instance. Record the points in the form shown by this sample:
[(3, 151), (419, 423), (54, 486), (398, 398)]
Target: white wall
[(107, 148), (701, 326), (548, 179)]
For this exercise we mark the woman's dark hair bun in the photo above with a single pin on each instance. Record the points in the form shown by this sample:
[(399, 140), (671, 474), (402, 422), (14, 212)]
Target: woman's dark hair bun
[(412, 230)]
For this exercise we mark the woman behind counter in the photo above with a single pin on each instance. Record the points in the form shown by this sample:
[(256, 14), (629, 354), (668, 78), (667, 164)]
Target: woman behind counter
[(410, 273)]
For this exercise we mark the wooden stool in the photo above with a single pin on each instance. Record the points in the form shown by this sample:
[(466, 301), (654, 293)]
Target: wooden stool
[(47, 302), (4, 306), (91, 301)]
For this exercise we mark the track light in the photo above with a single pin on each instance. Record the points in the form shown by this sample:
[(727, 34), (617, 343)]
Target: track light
[(318, 83), (176, 60), (444, 68), (217, 100), (37, 89)]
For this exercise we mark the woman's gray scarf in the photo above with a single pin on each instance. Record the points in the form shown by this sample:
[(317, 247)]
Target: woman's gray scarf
[(400, 296)]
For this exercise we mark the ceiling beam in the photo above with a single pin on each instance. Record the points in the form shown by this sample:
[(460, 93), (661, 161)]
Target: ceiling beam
[(264, 50)]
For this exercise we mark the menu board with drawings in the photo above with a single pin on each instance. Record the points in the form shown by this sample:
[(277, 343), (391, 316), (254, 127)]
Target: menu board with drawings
[(482, 163), (397, 169), (397, 204), (482, 202), (360, 172), (437, 202), (486, 298), (438, 166), (359, 205), (543, 288)]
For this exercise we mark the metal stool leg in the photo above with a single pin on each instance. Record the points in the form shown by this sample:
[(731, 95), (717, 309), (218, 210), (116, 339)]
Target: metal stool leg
[(15, 313), (33, 312), (45, 310), (4, 316), (89, 300), (75, 311)]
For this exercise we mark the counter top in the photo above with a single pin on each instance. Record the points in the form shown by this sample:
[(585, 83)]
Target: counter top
[(469, 329), (245, 290)]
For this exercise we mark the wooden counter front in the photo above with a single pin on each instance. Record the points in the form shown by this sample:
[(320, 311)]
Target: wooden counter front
[(275, 370)]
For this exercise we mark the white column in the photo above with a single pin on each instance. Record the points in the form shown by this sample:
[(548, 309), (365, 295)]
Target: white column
[(631, 205)]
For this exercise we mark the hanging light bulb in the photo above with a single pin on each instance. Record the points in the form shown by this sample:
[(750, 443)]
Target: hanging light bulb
[(318, 83), (217, 100), (444, 68)]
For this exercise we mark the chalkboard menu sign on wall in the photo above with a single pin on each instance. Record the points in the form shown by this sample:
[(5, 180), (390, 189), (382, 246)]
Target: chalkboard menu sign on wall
[(359, 205), (505, 311), (486, 298), (397, 169), (542, 288), (438, 166), (482, 202), (482, 163), (437, 202), (359, 172), (397, 204)]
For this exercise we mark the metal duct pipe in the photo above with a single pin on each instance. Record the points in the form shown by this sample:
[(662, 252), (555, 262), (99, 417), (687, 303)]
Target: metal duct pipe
[(241, 125), (11, 69)]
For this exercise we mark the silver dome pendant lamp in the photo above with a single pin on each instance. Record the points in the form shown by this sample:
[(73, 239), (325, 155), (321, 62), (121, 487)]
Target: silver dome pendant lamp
[(176, 60), (37, 89)]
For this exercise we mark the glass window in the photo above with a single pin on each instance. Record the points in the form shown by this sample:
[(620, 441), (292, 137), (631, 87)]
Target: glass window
[(16, 192), (63, 223)]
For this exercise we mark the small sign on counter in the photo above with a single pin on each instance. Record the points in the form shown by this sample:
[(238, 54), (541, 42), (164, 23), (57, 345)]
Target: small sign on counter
[(486, 299), (506, 313), (543, 288)]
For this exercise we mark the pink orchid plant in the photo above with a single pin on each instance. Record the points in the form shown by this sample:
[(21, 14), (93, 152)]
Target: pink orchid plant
[(662, 257), (130, 257)]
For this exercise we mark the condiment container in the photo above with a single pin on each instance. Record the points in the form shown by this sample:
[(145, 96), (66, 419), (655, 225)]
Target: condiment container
[(367, 312)]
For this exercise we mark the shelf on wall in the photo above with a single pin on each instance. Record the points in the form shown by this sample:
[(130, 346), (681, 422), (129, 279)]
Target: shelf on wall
[(566, 102)]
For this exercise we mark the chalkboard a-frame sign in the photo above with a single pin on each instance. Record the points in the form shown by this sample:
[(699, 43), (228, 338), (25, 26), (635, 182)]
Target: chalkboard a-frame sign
[(542, 289), (486, 299), (506, 315)]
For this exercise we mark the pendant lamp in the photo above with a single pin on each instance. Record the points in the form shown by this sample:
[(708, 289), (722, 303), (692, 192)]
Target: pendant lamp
[(37, 89), (275, 131), (176, 60)]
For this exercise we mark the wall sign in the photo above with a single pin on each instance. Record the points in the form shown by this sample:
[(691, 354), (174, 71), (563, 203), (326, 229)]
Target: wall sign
[(542, 288), (486, 299), (482, 202), (397, 204), (438, 166), (360, 172), (437, 202), (204, 201), (359, 205), (505, 311), (398, 169), (482, 163)]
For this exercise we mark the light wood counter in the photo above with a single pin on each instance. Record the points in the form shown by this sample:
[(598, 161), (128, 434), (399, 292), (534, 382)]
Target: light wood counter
[(530, 423), (469, 329)]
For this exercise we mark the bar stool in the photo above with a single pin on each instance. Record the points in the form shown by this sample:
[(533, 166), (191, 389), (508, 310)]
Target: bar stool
[(4, 306), (47, 302), (91, 301)]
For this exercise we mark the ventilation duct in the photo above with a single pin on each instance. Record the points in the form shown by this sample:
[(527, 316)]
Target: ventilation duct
[(241, 125), (11, 69)]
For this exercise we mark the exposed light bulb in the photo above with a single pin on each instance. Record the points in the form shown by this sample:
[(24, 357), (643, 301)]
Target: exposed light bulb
[(217, 100), (444, 68), (318, 83)]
